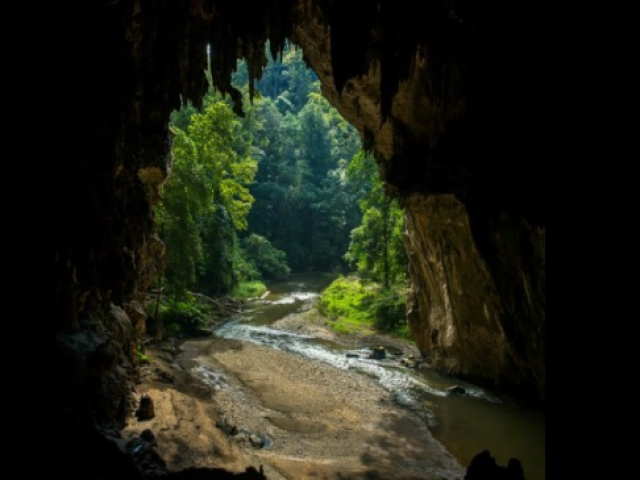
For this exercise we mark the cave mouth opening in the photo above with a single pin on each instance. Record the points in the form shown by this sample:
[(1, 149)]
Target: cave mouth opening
[(302, 218), (428, 94), (284, 188)]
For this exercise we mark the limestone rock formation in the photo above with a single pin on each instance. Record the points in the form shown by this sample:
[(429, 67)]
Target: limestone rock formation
[(479, 299)]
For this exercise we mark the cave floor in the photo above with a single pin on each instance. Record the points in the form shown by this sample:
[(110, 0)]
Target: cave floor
[(317, 422)]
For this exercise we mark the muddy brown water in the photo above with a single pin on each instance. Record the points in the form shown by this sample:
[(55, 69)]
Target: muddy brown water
[(464, 425)]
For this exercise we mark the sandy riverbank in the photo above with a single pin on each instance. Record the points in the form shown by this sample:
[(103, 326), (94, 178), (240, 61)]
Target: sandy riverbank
[(319, 422)]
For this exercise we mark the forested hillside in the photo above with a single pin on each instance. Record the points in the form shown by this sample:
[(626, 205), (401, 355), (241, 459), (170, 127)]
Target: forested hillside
[(285, 189)]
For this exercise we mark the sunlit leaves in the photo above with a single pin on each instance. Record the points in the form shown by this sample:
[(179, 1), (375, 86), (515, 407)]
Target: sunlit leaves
[(209, 183)]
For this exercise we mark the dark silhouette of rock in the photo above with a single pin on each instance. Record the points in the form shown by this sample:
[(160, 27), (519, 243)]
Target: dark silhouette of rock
[(146, 458), (150, 437), (485, 467), (379, 353), (147, 409), (215, 474), (456, 391)]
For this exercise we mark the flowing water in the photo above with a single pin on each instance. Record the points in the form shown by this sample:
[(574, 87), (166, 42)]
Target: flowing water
[(465, 425)]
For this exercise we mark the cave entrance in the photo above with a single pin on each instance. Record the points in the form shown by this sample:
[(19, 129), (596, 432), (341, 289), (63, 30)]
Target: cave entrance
[(286, 189), (267, 206), (428, 92)]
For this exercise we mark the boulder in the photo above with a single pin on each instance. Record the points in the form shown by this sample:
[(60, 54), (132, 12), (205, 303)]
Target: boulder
[(256, 441), (411, 363), (456, 391), (145, 457), (485, 467), (379, 353), (147, 409), (149, 437)]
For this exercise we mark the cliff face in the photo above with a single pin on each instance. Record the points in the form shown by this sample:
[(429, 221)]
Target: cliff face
[(434, 90), (478, 301), (450, 145)]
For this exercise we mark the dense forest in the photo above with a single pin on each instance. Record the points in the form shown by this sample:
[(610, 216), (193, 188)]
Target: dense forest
[(285, 189)]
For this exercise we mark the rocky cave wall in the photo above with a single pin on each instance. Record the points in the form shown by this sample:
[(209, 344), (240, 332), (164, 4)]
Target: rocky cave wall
[(435, 91), (440, 98)]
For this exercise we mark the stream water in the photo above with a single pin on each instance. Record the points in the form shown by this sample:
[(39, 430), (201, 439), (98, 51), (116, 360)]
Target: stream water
[(465, 425)]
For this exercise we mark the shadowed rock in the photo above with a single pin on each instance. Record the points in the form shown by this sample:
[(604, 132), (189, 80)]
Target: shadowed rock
[(379, 353), (456, 391), (147, 409), (215, 474), (484, 467)]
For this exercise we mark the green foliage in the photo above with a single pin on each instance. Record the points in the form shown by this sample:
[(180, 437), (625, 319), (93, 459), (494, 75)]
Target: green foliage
[(268, 260), (247, 290), (184, 312), (206, 200), (143, 358), (377, 249), (184, 316), (304, 205), (355, 307), (289, 175)]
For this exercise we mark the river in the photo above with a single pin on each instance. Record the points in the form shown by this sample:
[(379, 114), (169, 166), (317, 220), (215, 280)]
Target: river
[(464, 425)]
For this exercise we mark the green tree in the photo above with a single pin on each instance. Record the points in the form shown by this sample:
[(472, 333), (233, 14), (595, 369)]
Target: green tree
[(377, 249), (268, 260), (206, 200)]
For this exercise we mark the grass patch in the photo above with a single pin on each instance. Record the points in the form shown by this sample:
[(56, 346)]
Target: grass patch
[(247, 290), (143, 358), (355, 307)]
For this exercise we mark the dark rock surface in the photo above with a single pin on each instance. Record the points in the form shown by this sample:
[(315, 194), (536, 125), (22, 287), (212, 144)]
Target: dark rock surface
[(379, 353), (205, 474), (478, 307), (456, 391), (484, 467), (147, 409)]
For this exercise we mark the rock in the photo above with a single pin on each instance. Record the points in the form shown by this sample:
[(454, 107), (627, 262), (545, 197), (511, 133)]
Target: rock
[(256, 441), (411, 363), (167, 348), (149, 437), (147, 409), (484, 467), (379, 353), (459, 304), (138, 318), (164, 377), (352, 356), (167, 357), (456, 391), (146, 459), (228, 428)]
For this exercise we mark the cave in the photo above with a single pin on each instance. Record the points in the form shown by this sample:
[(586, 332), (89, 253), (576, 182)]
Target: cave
[(443, 93)]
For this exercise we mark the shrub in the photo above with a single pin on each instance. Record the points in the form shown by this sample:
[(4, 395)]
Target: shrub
[(268, 260), (248, 290), (355, 307), (184, 317)]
